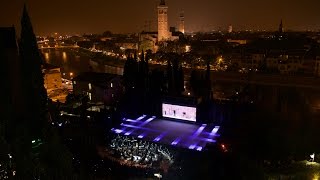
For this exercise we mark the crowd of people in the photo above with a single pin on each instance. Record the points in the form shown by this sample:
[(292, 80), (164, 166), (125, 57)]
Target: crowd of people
[(137, 152)]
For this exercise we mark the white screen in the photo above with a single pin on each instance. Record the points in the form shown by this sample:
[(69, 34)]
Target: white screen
[(179, 112)]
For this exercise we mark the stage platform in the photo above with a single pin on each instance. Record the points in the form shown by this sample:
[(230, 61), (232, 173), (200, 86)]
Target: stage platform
[(180, 134)]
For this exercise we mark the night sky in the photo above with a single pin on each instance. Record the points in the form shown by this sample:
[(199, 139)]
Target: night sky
[(96, 16)]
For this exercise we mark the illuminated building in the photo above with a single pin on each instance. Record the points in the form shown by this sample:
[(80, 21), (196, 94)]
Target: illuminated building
[(100, 87), (181, 23), (163, 33), (230, 29), (52, 77)]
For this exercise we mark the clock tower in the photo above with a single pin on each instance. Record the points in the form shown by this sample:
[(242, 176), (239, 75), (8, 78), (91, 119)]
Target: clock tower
[(163, 33)]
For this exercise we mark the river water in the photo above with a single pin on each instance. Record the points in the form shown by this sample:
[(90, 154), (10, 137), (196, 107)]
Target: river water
[(69, 60)]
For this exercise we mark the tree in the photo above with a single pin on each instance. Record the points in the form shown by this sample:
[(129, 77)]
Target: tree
[(32, 78), (180, 82), (33, 128), (169, 78), (107, 34)]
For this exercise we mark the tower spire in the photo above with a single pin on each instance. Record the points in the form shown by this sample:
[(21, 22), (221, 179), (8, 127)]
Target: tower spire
[(281, 27), (163, 30)]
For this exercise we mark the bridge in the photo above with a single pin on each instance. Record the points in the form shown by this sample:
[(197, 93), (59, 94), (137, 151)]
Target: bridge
[(59, 47), (280, 80)]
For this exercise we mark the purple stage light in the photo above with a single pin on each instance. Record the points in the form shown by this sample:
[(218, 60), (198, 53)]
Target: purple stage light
[(176, 141), (157, 139), (207, 140), (199, 130), (195, 137), (192, 146), (214, 130), (141, 117), (130, 120), (196, 134), (138, 127), (141, 136), (118, 131), (148, 120)]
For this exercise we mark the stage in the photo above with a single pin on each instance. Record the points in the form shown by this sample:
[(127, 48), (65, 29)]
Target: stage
[(175, 133)]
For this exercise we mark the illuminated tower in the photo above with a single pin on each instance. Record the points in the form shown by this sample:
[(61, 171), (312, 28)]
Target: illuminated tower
[(230, 29), (163, 33), (281, 27), (181, 22)]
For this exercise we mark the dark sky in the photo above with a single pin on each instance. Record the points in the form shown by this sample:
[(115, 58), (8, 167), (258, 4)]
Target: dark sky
[(96, 16)]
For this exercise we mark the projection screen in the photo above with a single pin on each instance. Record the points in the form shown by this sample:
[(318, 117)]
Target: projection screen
[(179, 112)]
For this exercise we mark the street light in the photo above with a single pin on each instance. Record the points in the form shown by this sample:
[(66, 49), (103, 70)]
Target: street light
[(158, 175), (312, 157), (71, 75)]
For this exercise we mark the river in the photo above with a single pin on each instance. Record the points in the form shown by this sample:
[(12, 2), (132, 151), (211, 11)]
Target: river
[(68, 60)]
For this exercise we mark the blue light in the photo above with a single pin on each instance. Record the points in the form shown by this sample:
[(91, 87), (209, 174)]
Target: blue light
[(136, 127), (175, 142), (141, 136), (208, 140), (127, 133), (214, 130), (118, 131), (141, 117), (130, 120), (198, 131), (192, 146), (199, 148), (159, 137)]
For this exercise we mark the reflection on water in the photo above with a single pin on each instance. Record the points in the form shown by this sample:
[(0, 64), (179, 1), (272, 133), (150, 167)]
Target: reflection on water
[(46, 56), (64, 56), (68, 60)]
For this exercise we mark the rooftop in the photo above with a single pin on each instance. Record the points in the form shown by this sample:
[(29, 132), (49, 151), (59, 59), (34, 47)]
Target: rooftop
[(97, 79)]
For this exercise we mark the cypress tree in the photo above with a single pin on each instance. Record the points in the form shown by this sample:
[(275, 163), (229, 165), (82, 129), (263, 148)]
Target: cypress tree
[(169, 78), (208, 80), (181, 79), (32, 157), (32, 78)]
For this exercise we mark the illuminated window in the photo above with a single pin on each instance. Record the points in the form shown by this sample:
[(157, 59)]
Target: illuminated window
[(111, 84), (74, 82), (90, 96), (89, 86)]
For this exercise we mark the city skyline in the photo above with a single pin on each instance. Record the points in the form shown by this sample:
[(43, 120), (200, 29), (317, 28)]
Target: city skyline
[(79, 17)]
